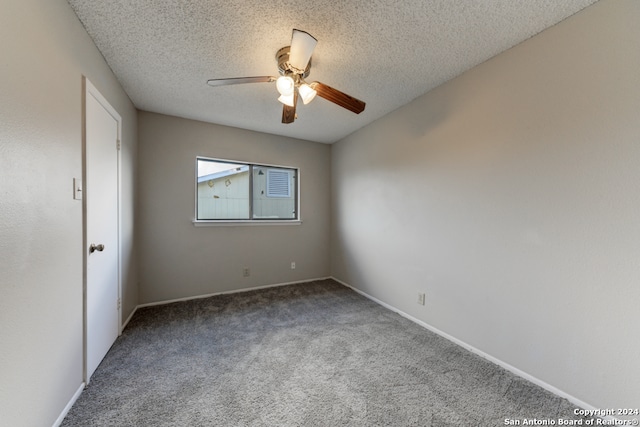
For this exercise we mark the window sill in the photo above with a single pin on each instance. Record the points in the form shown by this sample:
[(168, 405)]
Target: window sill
[(241, 223)]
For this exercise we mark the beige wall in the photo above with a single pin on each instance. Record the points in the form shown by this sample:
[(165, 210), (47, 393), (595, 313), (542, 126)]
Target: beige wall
[(178, 259), (45, 52), (510, 196)]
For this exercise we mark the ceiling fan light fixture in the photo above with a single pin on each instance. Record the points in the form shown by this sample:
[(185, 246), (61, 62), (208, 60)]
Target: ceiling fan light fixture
[(302, 46), (285, 85), (287, 99), (307, 93), (294, 65)]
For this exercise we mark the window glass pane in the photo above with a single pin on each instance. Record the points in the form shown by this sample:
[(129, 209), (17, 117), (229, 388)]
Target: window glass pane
[(223, 190), (274, 193)]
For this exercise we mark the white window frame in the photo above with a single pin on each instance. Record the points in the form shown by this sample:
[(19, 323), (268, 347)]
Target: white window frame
[(251, 221)]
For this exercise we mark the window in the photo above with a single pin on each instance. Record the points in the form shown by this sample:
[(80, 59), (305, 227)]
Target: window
[(233, 191)]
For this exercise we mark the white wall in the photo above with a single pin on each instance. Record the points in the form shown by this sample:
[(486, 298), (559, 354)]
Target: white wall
[(180, 260), (45, 51), (510, 195)]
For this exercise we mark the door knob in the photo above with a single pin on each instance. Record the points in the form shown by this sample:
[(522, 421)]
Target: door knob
[(95, 247)]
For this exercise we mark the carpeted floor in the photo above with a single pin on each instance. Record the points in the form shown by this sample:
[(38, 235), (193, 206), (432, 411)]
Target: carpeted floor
[(312, 354)]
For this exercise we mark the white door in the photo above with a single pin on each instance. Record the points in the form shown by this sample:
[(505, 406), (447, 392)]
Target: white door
[(102, 311)]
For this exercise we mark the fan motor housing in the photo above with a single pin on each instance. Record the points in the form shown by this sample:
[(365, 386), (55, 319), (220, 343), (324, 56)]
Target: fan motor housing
[(284, 67)]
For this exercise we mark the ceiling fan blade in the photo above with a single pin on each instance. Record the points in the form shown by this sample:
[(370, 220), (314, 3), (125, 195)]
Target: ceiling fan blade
[(289, 113), (241, 80), (302, 45), (339, 98)]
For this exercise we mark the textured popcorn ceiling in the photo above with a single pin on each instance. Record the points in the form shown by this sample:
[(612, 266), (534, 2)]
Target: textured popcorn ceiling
[(385, 52)]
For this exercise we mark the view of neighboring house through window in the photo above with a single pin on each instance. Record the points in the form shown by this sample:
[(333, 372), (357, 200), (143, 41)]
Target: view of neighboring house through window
[(242, 191)]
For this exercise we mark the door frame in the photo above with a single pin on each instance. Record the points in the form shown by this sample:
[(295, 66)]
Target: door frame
[(88, 89)]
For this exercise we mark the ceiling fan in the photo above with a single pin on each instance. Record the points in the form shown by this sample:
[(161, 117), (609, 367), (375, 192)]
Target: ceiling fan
[(294, 65)]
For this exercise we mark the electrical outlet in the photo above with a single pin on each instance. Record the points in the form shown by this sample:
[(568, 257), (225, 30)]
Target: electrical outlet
[(246, 272), (293, 265), (421, 298)]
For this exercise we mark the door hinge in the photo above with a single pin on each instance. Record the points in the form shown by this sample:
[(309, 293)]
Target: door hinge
[(118, 144), (119, 303)]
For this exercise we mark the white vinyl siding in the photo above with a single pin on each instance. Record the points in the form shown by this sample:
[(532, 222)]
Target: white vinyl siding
[(231, 191), (224, 197)]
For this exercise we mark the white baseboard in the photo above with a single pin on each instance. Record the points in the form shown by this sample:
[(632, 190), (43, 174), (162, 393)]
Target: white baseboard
[(67, 408), (574, 400), (234, 291)]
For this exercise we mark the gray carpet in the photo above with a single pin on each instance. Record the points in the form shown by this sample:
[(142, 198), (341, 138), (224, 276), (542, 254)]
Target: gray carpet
[(312, 354)]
